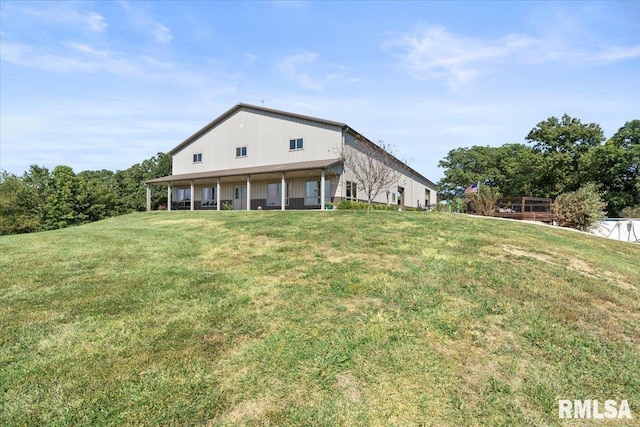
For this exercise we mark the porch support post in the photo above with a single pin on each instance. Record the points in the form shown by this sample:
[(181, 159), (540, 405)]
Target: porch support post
[(193, 196), (248, 193), (322, 195), (169, 197), (217, 194), (148, 197), (283, 193)]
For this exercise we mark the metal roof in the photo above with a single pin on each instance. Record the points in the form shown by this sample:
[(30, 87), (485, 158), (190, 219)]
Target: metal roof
[(285, 167)]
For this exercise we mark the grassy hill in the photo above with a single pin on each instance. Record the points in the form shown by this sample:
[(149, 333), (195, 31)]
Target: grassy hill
[(314, 318)]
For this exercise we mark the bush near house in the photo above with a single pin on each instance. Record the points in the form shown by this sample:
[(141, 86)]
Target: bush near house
[(359, 206), (581, 209)]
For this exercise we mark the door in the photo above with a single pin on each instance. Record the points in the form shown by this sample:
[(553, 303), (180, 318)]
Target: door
[(240, 198)]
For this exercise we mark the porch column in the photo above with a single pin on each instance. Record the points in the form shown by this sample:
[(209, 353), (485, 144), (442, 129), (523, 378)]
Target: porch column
[(148, 197), (248, 193), (193, 195), (283, 193), (217, 194), (322, 195), (169, 197)]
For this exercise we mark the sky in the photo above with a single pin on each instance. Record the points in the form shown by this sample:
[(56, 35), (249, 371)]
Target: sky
[(107, 84)]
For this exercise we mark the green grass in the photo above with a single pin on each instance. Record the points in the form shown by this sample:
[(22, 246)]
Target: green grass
[(314, 319)]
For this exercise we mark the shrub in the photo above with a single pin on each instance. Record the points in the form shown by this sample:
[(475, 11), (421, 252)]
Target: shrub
[(359, 206), (631, 212), (484, 202), (581, 209)]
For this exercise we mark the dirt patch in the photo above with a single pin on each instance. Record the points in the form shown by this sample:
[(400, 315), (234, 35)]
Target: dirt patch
[(250, 409), (349, 386), (574, 264)]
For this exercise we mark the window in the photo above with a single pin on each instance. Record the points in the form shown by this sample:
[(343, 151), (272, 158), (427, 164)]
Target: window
[(197, 158), (352, 191), (184, 194), (312, 192), (296, 144), (183, 197), (274, 192), (209, 196), (241, 151)]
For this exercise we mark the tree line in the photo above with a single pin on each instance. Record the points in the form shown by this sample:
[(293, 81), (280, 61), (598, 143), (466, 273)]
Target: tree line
[(42, 199), (561, 155)]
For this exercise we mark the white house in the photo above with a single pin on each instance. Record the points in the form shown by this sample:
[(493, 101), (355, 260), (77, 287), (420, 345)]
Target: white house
[(245, 158)]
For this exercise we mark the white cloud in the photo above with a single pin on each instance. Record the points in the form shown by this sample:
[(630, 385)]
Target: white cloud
[(82, 57), (307, 70), (291, 65), (605, 55), (64, 14), (143, 20), (435, 53)]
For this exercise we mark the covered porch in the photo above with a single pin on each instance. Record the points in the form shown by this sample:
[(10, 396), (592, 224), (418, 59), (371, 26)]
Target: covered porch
[(305, 185)]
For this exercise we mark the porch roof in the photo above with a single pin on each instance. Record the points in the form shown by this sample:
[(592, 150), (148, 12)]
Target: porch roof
[(256, 170)]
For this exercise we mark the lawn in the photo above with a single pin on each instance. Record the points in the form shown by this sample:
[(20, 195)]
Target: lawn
[(314, 319)]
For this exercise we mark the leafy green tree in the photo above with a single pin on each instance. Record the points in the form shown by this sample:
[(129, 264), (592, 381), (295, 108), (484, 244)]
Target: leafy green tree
[(62, 208), (512, 168), (562, 143), (38, 179), (17, 206), (129, 183), (97, 195), (614, 166)]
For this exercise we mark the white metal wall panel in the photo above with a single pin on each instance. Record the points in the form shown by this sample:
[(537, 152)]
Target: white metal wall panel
[(266, 136)]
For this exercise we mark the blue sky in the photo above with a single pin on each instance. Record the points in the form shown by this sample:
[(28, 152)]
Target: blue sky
[(104, 85)]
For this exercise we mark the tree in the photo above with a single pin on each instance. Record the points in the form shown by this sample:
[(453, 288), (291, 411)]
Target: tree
[(511, 168), (39, 180), (615, 167), (97, 195), (17, 213), (562, 143), (62, 199), (128, 183), (373, 167)]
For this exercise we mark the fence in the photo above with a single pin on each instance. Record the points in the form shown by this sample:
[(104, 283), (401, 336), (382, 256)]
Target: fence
[(624, 229)]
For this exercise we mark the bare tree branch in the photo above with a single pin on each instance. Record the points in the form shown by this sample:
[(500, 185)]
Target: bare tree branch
[(373, 167)]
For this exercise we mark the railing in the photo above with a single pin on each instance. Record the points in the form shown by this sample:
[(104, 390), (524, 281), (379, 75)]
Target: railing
[(525, 208)]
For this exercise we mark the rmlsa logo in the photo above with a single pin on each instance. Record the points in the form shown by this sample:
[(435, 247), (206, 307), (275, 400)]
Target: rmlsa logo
[(593, 409)]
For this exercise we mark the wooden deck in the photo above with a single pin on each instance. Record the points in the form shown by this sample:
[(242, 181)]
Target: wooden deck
[(525, 208)]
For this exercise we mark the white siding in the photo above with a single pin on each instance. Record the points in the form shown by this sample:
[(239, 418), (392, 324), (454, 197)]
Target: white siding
[(414, 187), (266, 136)]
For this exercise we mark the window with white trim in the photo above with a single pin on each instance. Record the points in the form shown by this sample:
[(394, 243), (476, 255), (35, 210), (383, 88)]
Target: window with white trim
[(209, 196), (197, 158), (352, 191), (241, 151), (296, 144)]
